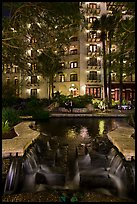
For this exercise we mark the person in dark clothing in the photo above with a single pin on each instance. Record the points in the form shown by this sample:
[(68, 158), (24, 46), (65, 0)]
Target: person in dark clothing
[(71, 106), (67, 105)]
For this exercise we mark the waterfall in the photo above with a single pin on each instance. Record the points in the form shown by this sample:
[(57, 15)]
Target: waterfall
[(48, 145), (13, 177)]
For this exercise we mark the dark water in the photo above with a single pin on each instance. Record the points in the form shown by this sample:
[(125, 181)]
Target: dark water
[(76, 154)]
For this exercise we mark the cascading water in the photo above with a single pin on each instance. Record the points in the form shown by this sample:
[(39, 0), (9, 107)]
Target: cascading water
[(88, 163), (13, 175)]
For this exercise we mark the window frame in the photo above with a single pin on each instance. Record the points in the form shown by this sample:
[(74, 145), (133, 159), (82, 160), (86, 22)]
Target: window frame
[(74, 64), (73, 77)]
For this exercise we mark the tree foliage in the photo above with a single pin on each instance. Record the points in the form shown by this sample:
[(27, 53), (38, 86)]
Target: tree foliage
[(47, 22), (48, 66), (118, 29)]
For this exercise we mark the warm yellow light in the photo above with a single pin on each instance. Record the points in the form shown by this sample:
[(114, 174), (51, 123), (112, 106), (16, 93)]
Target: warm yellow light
[(101, 127), (28, 91), (83, 87), (71, 134), (29, 52), (87, 31), (29, 64), (38, 77), (28, 25), (38, 90)]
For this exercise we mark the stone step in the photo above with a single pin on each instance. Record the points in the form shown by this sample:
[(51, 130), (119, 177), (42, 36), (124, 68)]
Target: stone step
[(121, 138)]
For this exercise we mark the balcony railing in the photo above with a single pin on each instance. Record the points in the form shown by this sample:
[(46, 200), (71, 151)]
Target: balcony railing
[(94, 80), (93, 11), (29, 84)]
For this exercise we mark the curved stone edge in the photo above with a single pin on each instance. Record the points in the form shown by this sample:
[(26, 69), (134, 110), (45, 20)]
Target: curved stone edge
[(18, 145), (121, 138)]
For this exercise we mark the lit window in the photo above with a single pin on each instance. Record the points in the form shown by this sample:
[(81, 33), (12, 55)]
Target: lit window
[(93, 48), (73, 64), (16, 81), (92, 34), (61, 77), (33, 40), (16, 69), (33, 67), (92, 19), (92, 6), (96, 92), (33, 92)]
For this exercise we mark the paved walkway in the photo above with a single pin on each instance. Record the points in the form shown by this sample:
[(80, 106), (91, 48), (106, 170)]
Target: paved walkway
[(18, 145), (88, 115), (107, 113)]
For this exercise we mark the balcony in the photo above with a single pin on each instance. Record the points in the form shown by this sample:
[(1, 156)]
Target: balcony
[(96, 64), (73, 52), (36, 84), (95, 53), (92, 11), (93, 81), (97, 39)]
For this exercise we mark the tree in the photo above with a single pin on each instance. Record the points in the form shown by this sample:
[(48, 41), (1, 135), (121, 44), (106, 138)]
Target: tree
[(112, 22), (46, 22), (126, 29), (124, 38), (101, 24), (48, 65), (120, 30)]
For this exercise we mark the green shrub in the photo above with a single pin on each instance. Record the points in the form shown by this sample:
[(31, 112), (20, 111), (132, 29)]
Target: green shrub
[(44, 102), (78, 102), (33, 102), (61, 99), (5, 127), (10, 101), (10, 115), (96, 102)]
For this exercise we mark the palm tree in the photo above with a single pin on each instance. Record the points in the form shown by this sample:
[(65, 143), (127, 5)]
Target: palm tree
[(49, 64), (112, 22), (101, 24)]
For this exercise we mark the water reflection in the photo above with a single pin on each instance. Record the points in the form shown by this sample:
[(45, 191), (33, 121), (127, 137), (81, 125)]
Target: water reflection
[(84, 132), (101, 127), (71, 134), (78, 130)]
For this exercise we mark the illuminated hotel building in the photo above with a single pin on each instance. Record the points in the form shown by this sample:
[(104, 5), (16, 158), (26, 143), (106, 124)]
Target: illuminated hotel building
[(81, 66)]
